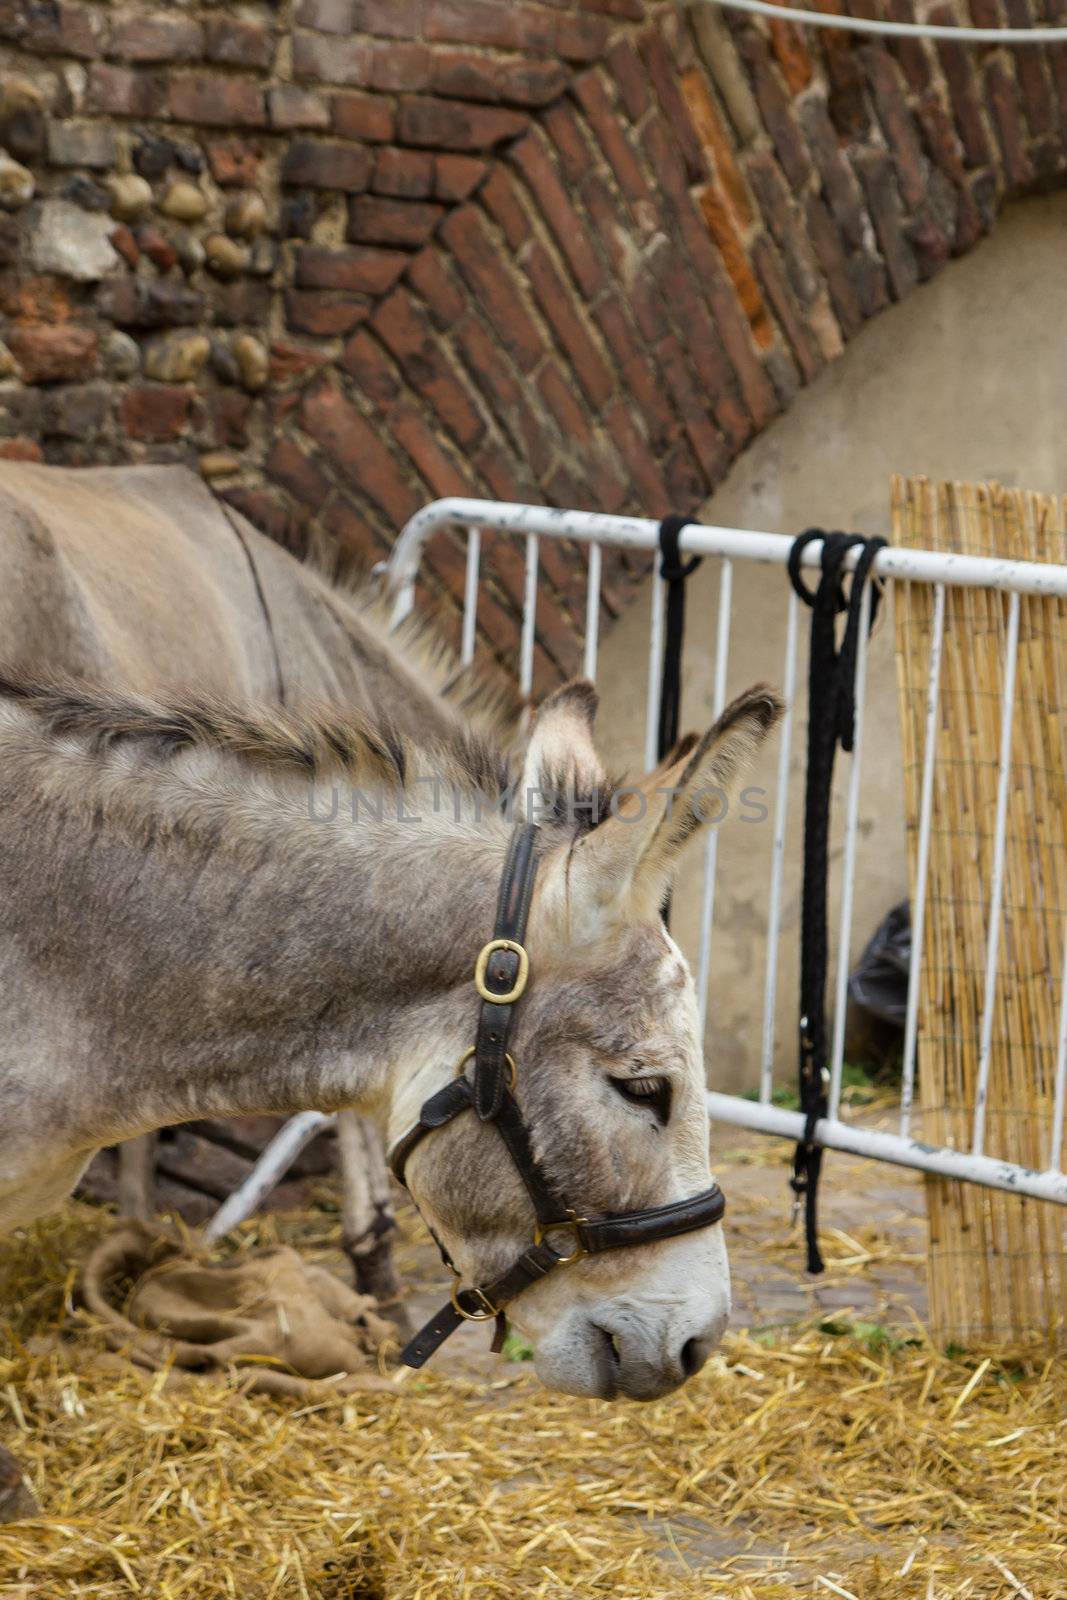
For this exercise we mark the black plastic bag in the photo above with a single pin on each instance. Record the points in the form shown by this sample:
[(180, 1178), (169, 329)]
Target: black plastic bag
[(879, 980)]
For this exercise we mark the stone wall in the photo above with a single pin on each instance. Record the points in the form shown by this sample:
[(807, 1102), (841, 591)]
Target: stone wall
[(347, 255)]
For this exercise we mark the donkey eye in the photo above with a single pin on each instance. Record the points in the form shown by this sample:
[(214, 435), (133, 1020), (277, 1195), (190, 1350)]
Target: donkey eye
[(655, 1093)]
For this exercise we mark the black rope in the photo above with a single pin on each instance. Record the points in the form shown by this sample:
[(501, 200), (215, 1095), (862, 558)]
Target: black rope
[(831, 721), (674, 571)]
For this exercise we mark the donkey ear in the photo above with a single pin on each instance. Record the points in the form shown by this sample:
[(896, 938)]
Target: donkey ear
[(622, 870), (561, 765)]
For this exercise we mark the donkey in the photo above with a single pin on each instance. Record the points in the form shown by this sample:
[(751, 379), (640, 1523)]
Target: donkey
[(137, 576), (262, 910)]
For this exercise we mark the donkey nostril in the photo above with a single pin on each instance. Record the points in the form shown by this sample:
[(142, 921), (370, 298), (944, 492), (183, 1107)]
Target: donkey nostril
[(693, 1355)]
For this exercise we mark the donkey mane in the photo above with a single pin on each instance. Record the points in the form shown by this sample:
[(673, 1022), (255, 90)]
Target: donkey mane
[(311, 742)]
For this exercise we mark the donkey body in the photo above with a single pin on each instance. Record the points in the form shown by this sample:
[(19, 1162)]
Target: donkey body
[(190, 925)]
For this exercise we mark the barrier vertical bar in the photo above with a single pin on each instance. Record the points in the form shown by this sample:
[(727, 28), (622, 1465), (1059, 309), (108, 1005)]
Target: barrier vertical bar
[(922, 862), (592, 612), (470, 595), (529, 616), (711, 846), (1007, 712), (781, 820), (852, 806), (655, 669), (1059, 1099)]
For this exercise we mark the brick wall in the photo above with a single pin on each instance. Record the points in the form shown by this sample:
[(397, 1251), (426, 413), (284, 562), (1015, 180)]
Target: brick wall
[(344, 256)]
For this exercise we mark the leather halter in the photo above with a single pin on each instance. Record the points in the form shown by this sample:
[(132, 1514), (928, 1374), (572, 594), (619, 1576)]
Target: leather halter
[(501, 975)]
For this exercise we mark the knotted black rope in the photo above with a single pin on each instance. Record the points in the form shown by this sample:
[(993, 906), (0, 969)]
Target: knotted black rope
[(674, 571), (831, 721)]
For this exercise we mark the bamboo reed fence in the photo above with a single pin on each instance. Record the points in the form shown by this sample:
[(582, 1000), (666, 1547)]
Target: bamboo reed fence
[(997, 1263)]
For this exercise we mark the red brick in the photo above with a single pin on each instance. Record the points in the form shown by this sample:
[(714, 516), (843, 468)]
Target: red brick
[(234, 43), (229, 412), (432, 463), (297, 473), (1002, 94), (664, 74), (1031, 73), (404, 174), (156, 411), (776, 109), (364, 116), (640, 379), (831, 257), (456, 177), (356, 536), (500, 197), (324, 313), (465, 75), (883, 202), (234, 163), (359, 453), (120, 92), (957, 64), (406, 331), (390, 19), (399, 67), (581, 38), (289, 361), (489, 278), (217, 102), (559, 397), (330, 60), (319, 164), (914, 55), (56, 28), (790, 318), (371, 370), (20, 450), (614, 228), (449, 125), (652, 492), (289, 106), (437, 285), (363, 270), (706, 440), (572, 149), (561, 312), (53, 353), (329, 16), (564, 223), (787, 42), (504, 394), (719, 149), (714, 288), (392, 222), (898, 125), (625, 66), (486, 22), (156, 37)]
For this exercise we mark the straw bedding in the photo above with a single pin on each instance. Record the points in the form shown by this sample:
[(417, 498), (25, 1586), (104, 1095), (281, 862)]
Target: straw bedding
[(807, 1462)]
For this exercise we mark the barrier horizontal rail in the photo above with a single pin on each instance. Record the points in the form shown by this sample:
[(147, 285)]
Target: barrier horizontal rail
[(941, 569)]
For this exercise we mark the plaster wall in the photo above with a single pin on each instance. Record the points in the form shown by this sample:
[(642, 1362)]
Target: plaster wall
[(966, 380)]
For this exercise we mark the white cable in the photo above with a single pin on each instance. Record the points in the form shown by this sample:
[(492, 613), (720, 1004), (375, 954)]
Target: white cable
[(906, 30)]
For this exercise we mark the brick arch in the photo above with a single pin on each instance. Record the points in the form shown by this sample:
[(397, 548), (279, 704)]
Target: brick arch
[(578, 251)]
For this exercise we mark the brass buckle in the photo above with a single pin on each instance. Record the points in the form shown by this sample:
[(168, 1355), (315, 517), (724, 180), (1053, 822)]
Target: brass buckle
[(482, 964), (473, 1051), (485, 1313), (570, 1223)]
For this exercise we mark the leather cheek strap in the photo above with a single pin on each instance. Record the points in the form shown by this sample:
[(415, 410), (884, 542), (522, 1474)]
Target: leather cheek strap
[(504, 970), (659, 1222)]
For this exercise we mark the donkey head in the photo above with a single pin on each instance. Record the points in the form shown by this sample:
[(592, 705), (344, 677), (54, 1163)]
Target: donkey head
[(610, 1075)]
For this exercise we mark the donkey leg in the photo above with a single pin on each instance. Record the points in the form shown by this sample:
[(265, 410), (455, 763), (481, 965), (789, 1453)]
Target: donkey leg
[(367, 1212), (137, 1177), (17, 1499)]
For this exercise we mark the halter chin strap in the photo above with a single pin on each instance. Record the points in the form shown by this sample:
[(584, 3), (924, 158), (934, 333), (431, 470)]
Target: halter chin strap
[(561, 1236)]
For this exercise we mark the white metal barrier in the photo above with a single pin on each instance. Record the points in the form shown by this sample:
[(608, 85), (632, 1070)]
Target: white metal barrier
[(595, 530)]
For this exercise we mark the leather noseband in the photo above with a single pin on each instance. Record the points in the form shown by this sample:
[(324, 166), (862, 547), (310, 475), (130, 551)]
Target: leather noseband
[(501, 975)]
